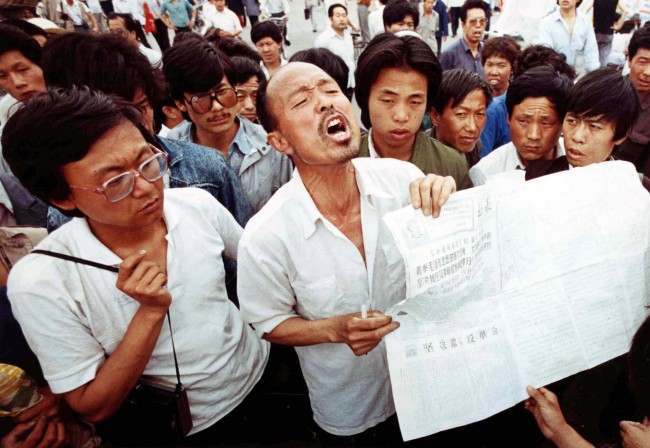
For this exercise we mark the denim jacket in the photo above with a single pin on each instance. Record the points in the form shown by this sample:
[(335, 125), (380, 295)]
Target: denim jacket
[(262, 171), (192, 165)]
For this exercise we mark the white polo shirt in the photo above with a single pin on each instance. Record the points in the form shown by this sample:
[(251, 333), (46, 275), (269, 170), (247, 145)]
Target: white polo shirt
[(225, 20), (293, 262), (73, 315), (341, 46), (504, 158)]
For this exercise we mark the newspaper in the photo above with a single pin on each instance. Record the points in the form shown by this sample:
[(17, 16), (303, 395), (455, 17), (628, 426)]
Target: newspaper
[(516, 283)]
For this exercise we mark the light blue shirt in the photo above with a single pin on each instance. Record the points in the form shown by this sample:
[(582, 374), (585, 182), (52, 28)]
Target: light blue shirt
[(261, 169), (579, 47)]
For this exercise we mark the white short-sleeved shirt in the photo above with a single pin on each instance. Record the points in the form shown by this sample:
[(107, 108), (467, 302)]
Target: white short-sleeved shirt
[(504, 158), (376, 21), (295, 263), (73, 315), (225, 20), (341, 46)]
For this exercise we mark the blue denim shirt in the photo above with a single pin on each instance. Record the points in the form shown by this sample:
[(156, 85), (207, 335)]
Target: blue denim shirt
[(191, 165), (261, 169), (496, 132)]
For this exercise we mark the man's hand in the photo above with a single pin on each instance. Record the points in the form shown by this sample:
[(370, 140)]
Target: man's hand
[(144, 281), (47, 407), (41, 433), (362, 335), (431, 192), (635, 435)]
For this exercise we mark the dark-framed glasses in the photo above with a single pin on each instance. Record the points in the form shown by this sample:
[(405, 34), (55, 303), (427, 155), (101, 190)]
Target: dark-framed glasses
[(202, 103), (118, 187)]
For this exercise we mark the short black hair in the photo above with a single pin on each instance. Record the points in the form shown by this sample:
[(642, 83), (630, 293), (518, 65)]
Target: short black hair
[(397, 10), (185, 73), (389, 51), (639, 367), (537, 55), (540, 82), (606, 93), (100, 61), (503, 47), (331, 64), (244, 69), (264, 115), (14, 39), (640, 40), (557, 2), (474, 4), (456, 85), (265, 29), (36, 148), (27, 27), (333, 6), (232, 47), (131, 25)]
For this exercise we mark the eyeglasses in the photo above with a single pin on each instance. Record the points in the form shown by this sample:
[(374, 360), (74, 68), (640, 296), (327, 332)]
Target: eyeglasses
[(243, 94), (478, 22), (117, 188), (226, 97)]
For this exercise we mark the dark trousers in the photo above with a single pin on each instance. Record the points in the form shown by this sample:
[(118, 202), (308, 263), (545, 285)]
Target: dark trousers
[(454, 18), (253, 19), (439, 42), (161, 34)]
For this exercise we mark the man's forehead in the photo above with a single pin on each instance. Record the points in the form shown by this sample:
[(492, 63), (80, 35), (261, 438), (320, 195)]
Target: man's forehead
[(475, 13), (295, 75)]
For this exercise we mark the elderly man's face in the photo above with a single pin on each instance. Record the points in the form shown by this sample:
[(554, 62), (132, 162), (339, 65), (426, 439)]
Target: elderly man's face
[(315, 123), (535, 127)]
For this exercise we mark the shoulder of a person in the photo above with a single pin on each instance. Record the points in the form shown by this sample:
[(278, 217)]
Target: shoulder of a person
[(196, 157), (270, 221), (495, 155), (447, 153), (380, 171)]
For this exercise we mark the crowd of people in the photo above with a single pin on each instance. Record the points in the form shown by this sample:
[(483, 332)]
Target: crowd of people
[(187, 237)]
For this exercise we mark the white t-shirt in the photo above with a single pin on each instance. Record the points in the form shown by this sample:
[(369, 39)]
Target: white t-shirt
[(76, 12), (294, 262), (376, 21), (341, 46), (225, 20), (154, 58), (133, 7), (504, 158), (73, 315)]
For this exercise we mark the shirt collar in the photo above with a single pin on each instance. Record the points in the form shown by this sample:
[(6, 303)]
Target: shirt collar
[(466, 48), (371, 146)]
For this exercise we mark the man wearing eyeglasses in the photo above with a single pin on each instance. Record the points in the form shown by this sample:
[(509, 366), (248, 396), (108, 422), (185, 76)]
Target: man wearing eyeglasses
[(205, 93), (96, 332), (465, 53)]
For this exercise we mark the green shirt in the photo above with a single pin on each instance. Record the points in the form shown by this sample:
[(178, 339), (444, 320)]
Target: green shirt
[(432, 157)]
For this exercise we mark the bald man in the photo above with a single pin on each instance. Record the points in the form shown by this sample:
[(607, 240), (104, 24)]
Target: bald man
[(306, 260)]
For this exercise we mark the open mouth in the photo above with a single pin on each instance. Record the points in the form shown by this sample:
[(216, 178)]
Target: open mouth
[(337, 129)]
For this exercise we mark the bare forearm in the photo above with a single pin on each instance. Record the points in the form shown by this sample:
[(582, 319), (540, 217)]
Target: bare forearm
[(103, 396), (569, 438), (298, 332)]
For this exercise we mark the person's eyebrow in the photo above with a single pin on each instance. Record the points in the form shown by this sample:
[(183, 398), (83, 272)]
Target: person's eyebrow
[(102, 170), (307, 87)]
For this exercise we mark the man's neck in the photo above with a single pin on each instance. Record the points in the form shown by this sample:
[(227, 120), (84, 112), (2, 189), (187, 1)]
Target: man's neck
[(333, 188), (402, 152), (274, 65), (339, 31), (126, 241), (568, 14), (472, 46), (220, 142), (497, 91)]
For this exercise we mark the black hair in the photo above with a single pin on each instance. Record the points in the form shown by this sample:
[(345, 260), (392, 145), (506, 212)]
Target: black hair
[(264, 115), (456, 85), (397, 10), (503, 47), (36, 158), (183, 72), (265, 29), (15, 39), (474, 4), (131, 25), (557, 2), (26, 27), (333, 6), (537, 55), (639, 368), (100, 61), (540, 82), (244, 69), (607, 93), (640, 40), (389, 51), (329, 62), (232, 47)]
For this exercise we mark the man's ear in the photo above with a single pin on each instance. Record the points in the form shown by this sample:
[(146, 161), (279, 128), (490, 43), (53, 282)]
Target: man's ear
[(277, 140), (435, 117), (172, 112), (620, 140)]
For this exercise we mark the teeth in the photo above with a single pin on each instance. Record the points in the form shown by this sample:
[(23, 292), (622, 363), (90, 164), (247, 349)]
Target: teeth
[(334, 122)]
